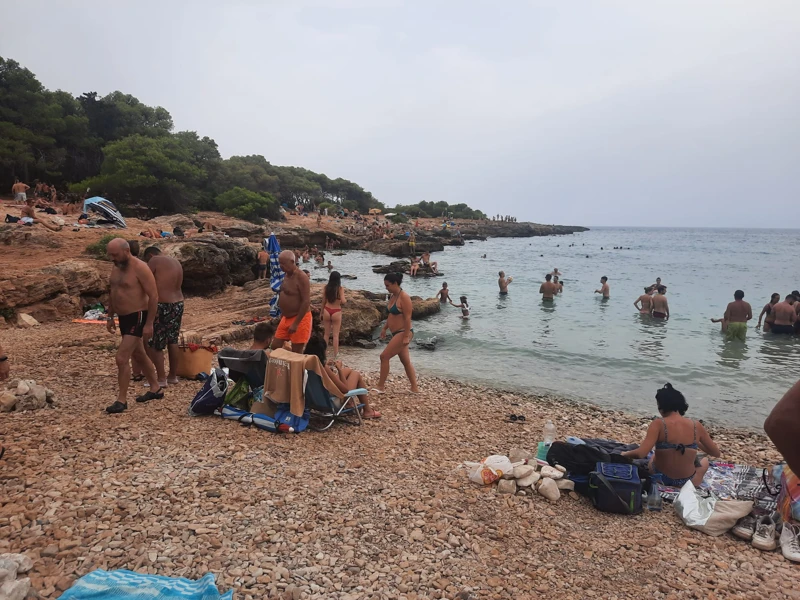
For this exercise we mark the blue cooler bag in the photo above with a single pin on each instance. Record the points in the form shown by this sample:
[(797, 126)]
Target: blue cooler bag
[(616, 488)]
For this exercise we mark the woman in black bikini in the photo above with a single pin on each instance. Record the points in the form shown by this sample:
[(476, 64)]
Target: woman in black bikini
[(399, 323), (767, 310), (331, 312)]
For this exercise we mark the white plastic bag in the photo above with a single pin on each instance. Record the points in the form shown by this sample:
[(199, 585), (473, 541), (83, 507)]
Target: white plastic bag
[(709, 515), (490, 469)]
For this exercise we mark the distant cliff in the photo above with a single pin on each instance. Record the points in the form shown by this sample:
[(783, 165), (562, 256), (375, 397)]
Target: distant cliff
[(487, 229)]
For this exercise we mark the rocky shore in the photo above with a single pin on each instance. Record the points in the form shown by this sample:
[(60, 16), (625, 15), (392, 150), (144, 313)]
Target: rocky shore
[(378, 511)]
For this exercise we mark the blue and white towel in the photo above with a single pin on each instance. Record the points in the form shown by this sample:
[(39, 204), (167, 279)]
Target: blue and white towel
[(127, 585)]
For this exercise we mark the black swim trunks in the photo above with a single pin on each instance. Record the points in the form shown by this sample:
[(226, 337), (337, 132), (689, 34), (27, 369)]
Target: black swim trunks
[(262, 268), (787, 329), (132, 324), (167, 326)]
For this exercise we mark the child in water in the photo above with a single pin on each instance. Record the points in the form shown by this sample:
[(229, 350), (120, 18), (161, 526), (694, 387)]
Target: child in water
[(464, 306)]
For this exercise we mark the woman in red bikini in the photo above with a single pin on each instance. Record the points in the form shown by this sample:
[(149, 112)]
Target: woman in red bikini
[(332, 302)]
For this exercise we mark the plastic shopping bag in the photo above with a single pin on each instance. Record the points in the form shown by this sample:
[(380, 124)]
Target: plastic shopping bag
[(489, 470)]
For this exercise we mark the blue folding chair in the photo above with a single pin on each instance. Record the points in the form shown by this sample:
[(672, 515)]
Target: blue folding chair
[(325, 408)]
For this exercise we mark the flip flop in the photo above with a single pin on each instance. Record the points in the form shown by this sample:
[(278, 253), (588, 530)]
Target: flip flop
[(150, 395), (137, 378), (375, 415), (515, 419), (172, 381), (377, 391), (116, 408)]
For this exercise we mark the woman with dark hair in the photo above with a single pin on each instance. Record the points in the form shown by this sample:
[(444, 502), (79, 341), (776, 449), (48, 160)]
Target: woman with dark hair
[(345, 378), (676, 440), (331, 312), (767, 310), (399, 323)]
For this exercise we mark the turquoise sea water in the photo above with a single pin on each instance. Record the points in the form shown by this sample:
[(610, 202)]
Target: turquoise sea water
[(603, 351)]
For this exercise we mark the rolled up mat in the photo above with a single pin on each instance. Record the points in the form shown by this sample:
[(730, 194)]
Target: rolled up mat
[(265, 422), (237, 414)]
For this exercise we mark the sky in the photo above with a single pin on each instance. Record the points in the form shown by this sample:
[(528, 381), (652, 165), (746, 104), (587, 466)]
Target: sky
[(658, 113)]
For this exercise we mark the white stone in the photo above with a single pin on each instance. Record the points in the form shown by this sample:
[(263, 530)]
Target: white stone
[(551, 472), (506, 486), (565, 484), (24, 564), (529, 480), (549, 489), (23, 387), (24, 320), (523, 471), (561, 468), (516, 455), (7, 402), (15, 590)]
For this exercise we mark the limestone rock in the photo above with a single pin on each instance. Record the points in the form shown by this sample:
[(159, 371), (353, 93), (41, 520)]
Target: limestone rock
[(31, 402), (551, 472), (561, 468), (8, 570), (7, 401), (366, 344), (39, 392), (170, 222), (506, 486), (205, 267), (24, 386), (23, 562), (80, 277), (549, 489), (29, 289), (523, 470), (516, 455), (565, 484), (424, 308), (243, 229), (529, 480), (15, 590), (25, 320)]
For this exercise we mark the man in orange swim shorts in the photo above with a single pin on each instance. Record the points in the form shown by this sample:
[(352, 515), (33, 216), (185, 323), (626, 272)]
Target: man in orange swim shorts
[(295, 303)]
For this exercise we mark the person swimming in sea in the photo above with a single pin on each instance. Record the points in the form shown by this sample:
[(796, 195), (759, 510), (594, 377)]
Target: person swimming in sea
[(503, 283), (660, 304), (444, 294), (464, 306), (604, 288)]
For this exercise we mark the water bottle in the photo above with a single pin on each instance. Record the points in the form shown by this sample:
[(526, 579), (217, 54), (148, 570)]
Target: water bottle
[(549, 433), (654, 501)]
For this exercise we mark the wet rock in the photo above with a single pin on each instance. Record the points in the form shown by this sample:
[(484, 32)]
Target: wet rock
[(429, 344), (424, 308)]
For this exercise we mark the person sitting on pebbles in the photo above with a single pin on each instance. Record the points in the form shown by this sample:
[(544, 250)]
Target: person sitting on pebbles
[(677, 441)]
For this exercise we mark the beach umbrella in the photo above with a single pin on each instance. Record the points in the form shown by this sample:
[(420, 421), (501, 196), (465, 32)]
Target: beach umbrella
[(106, 209), (272, 246), (389, 214)]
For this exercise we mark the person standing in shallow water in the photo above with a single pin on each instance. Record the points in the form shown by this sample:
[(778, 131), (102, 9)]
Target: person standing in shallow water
[(604, 288), (503, 283), (399, 324), (736, 316), (644, 303), (660, 304), (767, 310), (548, 289)]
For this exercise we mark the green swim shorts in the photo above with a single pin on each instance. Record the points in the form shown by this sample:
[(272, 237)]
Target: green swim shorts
[(736, 331)]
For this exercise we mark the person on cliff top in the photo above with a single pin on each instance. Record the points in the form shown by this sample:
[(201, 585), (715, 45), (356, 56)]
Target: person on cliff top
[(134, 297), (294, 301), (331, 312), (444, 294), (399, 324), (504, 282), (677, 441), (167, 325)]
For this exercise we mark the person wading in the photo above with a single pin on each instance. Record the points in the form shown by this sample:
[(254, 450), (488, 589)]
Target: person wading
[(295, 303), (167, 326), (134, 297), (737, 315)]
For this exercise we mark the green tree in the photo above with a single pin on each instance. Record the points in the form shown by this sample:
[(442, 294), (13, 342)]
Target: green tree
[(250, 206), (117, 115)]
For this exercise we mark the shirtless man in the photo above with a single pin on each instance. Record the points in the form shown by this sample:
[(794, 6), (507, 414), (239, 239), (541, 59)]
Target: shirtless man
[(785, 316), (263, 259), (558, 284), (555, 272), (503, 283), (604, 289), (19, 190), (548, 289), (29, 216), (444, 294), (134, 297), (426, 260), (644, 303), (660, 304), (294, 301), (167, 326), (736, 316)]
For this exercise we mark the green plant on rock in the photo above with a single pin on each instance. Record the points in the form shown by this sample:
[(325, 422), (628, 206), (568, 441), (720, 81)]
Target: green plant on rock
[(99, 249)]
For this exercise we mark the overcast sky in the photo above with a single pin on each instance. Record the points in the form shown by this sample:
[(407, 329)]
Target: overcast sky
[(671, 113)]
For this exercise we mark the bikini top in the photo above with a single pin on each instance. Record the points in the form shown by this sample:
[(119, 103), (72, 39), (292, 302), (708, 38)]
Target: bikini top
[(665, 445), (393, 310)]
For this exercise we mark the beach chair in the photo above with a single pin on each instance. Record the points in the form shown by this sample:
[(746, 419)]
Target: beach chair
[(326, 408), (250, 364)]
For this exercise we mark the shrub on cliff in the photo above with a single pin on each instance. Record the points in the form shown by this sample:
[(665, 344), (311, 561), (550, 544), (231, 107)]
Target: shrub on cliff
[(99, 248), (247, 205)]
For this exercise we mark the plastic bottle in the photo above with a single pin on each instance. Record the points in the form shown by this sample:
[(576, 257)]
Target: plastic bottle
[(549, 433), (654, 501)]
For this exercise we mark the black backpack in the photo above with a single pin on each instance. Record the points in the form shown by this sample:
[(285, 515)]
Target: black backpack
[(576, 459)]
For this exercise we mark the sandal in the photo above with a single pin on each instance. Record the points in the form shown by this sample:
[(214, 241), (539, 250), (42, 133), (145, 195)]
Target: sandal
[(150, 395), (516, 419), (116, 408), (137, 378)]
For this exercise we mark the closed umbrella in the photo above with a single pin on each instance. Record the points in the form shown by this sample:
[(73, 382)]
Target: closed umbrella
[(272, 246)]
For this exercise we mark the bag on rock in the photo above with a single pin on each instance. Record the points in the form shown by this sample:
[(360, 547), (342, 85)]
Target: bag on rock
[(490, 469), (211, 396), (616, 488)]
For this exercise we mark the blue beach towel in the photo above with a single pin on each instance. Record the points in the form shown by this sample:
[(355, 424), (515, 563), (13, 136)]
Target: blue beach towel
[(127, 585)]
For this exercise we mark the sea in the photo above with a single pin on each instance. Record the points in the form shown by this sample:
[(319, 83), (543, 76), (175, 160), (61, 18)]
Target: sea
[(603, 351)]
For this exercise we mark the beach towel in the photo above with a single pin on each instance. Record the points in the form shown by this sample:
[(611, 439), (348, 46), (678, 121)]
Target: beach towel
[(789, 498), (285, 382), (127, 585)]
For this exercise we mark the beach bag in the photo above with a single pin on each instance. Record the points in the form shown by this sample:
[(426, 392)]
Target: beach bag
[(239, 396), (211, 396), (616, 488), (576, 459), (709, 515), (193, 360), (10, 219), (789, 497)]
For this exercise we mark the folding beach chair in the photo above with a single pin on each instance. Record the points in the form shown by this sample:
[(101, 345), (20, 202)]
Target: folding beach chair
[(250, 364), (326, 408)]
